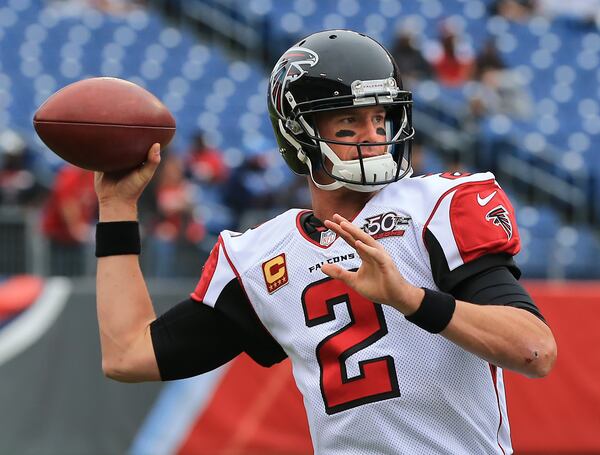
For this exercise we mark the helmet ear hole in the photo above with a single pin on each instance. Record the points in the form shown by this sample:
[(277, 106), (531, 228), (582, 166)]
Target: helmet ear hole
[(290, 149), (293, 126)]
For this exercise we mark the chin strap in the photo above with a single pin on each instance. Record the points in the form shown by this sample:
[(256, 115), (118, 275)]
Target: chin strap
[(377, 168), (327, 187)]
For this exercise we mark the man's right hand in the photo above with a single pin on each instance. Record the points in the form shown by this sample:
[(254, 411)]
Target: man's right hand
[(118, 193)]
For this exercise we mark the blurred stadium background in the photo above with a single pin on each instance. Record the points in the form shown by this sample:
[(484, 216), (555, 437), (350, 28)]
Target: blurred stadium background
[(519, 95)]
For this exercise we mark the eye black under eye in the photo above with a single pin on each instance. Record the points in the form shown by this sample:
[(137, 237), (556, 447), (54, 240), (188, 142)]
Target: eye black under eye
[(345, 133)]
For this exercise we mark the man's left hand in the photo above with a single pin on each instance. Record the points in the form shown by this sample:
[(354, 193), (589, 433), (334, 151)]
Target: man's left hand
[(378, 278)]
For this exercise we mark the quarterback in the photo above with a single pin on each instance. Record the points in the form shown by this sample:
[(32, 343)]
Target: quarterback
[(396, 297)]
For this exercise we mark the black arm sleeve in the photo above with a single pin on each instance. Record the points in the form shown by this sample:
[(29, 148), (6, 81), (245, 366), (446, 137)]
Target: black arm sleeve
[(491, 279), (192, 338), (496, 286), (447, 280)]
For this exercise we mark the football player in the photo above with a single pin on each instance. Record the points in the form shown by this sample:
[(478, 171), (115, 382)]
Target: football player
[(396, 297)]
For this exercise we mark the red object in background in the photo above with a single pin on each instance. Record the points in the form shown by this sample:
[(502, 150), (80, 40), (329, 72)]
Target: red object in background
[(254, 411), (452, 67), (207, 165), (18, 293), (560, 414), (452, 71), (175, 202), (73, 192)]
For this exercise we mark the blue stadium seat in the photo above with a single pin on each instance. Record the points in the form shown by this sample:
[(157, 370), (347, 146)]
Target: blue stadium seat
[(534, 257)]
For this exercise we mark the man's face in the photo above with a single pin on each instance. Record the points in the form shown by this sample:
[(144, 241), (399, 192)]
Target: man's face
[(363, 124)]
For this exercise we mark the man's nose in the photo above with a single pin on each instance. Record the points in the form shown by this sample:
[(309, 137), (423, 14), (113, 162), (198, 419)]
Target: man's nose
[(372, 132)]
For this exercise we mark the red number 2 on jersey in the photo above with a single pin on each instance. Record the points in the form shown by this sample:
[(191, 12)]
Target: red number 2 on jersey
[(377, 380)]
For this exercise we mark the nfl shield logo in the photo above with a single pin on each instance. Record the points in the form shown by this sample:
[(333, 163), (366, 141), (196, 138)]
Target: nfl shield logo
[(327, 237)]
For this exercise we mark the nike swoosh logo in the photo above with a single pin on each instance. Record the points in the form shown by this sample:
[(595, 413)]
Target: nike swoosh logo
[(485, 200)]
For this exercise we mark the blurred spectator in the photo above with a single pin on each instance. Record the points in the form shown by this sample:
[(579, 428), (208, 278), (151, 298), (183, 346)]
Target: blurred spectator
[(67, 220), (248, 189), (513, 10), (114, 7), (175, 228), (428, 160), (488, 59), (584, 10), (294, 193), (205, 164), (411, 62), (496, 89), (18, 185), (501, 92), (454, 63), (117, 6)]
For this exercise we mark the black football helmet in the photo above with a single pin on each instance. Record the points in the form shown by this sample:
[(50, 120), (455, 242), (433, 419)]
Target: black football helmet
[(330, 71)]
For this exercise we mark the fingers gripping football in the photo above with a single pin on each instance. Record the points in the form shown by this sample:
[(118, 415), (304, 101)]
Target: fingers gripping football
[(126, 188)]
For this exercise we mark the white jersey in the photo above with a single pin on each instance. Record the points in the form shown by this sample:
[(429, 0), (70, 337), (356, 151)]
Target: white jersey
[(372, 382)]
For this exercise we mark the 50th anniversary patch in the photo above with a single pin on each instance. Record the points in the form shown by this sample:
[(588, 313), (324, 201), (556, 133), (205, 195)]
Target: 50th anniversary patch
[(386, 225)]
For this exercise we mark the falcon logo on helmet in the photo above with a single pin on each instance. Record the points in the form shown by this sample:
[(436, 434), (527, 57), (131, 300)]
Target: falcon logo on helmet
[(499, 216), (289, 68)]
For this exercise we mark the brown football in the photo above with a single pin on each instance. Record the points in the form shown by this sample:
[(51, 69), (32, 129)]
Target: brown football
[(103, 124)]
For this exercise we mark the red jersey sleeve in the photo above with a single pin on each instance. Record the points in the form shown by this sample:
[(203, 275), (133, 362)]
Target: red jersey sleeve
[(472, 220)]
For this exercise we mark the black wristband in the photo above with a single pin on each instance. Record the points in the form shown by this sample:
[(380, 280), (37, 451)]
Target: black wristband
[(117, 237), (435, 311)]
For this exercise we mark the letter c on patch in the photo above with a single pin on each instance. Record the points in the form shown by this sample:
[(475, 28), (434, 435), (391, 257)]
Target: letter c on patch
[(275, 273)]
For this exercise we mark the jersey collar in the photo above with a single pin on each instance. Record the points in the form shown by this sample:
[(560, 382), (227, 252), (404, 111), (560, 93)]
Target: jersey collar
[(313, 229)]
